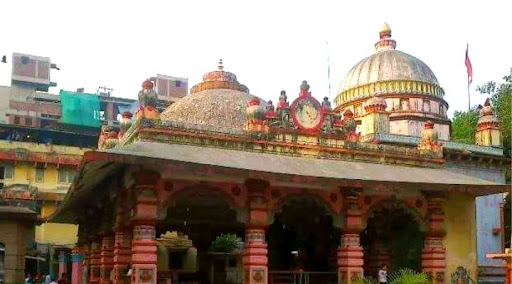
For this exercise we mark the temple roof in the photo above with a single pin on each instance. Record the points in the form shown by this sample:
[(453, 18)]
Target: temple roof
[(191, 162), (219, 101), (389, 65), (281, 164)]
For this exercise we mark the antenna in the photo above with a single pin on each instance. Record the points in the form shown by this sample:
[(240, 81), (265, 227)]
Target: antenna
[(328, 69), (105, 91)]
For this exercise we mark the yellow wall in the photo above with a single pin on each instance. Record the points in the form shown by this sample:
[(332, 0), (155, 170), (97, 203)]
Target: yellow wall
[(460, 241), (59, 234), (25, 173)]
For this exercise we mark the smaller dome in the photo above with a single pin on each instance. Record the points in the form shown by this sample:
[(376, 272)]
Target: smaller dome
[(375, 104), (220, 102), (487, 109), (147, 85)]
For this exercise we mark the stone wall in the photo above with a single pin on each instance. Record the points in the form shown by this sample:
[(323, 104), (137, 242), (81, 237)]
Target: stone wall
[(14, 236)]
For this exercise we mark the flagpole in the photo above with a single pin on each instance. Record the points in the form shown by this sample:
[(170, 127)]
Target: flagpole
[(469, 97)]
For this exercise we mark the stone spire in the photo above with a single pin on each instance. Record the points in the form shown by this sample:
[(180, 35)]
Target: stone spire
[(386, 42), (488, 127)]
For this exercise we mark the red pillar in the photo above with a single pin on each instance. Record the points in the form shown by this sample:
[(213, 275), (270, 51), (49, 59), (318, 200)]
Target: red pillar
[(76, 260), (379, 254), (433, 257), (144, 257), (123, 237), (95, 263), (107, 259), (254, 256), (350, 252), (85, 263), (122, 256), (63, 263)]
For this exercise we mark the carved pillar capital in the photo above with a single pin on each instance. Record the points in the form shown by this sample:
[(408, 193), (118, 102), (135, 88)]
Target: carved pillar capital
[(146, 178), (353, 221), (145, 203), (257, 203), (435, 214)]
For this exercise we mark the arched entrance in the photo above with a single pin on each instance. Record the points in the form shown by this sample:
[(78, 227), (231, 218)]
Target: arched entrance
[(302, 236), (394, 235), (203, 214)]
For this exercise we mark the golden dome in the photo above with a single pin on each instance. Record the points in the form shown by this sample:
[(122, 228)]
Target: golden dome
[(219, 102), (388, 71)]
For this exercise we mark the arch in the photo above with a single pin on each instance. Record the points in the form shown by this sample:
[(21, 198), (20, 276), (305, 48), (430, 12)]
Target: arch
[(291, 197), (393, 203), (198, 190)]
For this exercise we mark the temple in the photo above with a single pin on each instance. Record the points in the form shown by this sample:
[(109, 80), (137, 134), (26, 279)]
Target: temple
[(224, 187)]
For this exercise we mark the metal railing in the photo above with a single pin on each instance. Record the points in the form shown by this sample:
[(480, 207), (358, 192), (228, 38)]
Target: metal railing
[(301, 277)]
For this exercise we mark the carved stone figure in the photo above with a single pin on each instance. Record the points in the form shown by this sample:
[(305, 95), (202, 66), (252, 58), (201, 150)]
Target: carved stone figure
[(148, 99)]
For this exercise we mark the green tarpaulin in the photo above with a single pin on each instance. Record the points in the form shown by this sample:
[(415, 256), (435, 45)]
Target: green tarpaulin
[(80, 108)]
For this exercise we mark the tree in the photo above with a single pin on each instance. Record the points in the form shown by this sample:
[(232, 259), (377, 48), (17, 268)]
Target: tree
[(464, 126), (501, 96)]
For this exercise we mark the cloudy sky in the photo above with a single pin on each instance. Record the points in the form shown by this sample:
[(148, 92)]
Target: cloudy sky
[(269, 45)]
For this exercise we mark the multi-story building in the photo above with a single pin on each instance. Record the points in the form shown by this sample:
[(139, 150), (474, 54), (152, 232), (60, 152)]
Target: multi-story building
[(42, 139)]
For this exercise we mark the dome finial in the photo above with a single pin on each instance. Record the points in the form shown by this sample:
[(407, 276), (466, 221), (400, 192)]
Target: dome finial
[(385, 28), (220, 65), (385, 42)]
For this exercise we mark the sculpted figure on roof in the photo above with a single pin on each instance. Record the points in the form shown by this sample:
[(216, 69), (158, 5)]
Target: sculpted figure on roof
[(147, 102)]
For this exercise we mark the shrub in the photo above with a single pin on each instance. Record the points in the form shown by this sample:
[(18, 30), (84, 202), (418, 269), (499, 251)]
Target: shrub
[(408, 276), (225, 243)]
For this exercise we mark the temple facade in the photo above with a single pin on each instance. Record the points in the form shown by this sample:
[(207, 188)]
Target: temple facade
[(223, 187)]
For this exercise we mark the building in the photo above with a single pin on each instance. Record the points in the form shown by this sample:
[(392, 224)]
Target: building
[(310, 196), (42, 139)]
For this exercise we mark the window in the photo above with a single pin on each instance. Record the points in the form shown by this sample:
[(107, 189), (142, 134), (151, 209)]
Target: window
[(28, 121), (66, 175), (6, 171), (177, 84), (16, 120), (39, 174)]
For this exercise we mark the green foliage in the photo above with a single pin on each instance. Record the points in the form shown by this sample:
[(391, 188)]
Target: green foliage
[(365, 280), (501, 96), (464, 126), (225, 243), (408, 276)]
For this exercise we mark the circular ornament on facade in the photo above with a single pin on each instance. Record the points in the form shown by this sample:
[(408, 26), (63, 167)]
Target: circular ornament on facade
[(307, 113), (236, 191), (168, 186)]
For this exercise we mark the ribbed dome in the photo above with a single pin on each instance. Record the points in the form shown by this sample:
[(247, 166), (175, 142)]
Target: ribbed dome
[(390, 65), (388, 71), (220, 102)]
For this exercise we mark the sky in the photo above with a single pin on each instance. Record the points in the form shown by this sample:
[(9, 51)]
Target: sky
[(270, 45)]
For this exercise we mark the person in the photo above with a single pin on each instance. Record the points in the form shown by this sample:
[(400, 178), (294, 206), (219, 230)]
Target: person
[(53, 281), (29, 279), (47, 279), (383, 274), (62, 279)]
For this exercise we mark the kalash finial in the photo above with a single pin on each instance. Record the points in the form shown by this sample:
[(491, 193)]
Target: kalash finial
[(386, 42), (385, 28), (221, 67)]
